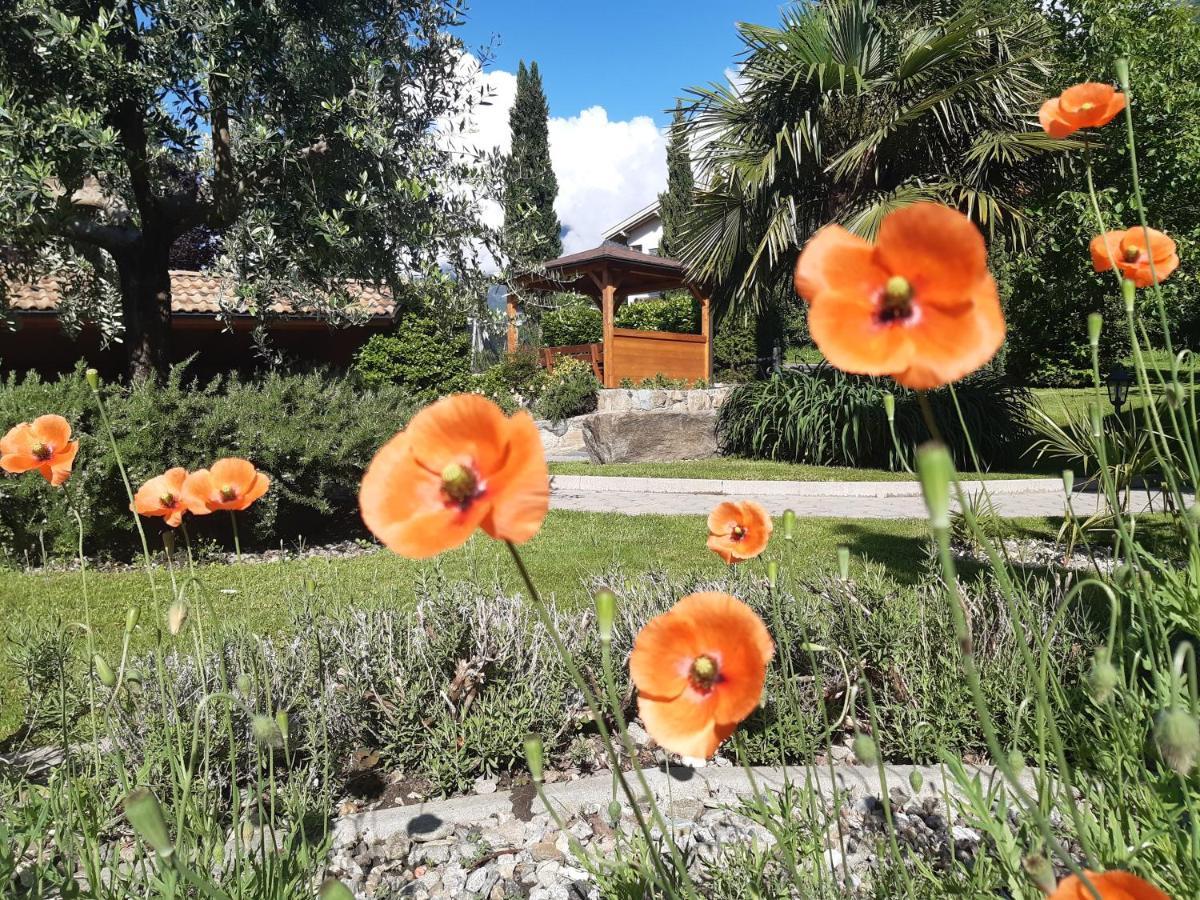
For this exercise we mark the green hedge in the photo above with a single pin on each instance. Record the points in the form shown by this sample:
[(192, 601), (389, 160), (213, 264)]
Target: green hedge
[(580, 323), (422, 355), (826, 417), (313, 434)]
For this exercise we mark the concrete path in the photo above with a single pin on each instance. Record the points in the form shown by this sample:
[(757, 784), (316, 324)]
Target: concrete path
[(840, 499)]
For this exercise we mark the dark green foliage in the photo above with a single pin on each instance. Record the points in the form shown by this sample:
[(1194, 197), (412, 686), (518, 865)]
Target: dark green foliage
[(827, 417), (421, 354), (734, 349), (677, 311), (313, 434), (529, 183), (570, 390), (576, 323), (517, 380), (675, 203)]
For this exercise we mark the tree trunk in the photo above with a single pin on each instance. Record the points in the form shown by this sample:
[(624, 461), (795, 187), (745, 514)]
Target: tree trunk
[(146, 301)]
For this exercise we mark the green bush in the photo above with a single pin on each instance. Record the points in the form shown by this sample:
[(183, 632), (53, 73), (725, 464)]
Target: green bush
[(516, 381), (313, 434), (577, 323), (734, 349), (826, 417), (428, 357), (570, 391), (678, 311)]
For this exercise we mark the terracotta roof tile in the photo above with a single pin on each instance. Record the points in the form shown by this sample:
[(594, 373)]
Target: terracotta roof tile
[(191, 292)]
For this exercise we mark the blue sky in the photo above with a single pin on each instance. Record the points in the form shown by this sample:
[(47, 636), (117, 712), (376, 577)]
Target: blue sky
[(631, 58)]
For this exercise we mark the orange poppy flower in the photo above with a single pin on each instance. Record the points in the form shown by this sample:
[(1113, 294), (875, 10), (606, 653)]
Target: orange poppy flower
[(461, 464), (699, 670), (163, 496), (1110, 886), (44, 444), (1133, 254), (231, 484), (919, 304), (1087, 105), (738, 531)]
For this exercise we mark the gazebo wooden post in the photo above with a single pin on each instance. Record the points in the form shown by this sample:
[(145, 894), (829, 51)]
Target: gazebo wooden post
[(511, 302), (608, 303), (705, 329)]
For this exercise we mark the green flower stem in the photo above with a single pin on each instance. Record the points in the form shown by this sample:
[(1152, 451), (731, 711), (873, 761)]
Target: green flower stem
[(605, 737)]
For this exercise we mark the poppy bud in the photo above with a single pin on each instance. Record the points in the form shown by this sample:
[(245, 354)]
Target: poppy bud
[(1129, 292), (772, 573), (889, 405), (1177, 736), (1068, 477), (534, 757), (146, 816), (864, 749), (916, 781), (334, 890), (614, 813), (176, 617), (1097, 420), (104, 671), (266, 732), (1103, 678), (1122, 66), (789, 524), (935, 469), (281, 720), (606, 611), (1095, 324), (1175, 394), (843, 553), (131, 619), (244, 684), (1040, 872), (1016, 762), (93, 379)]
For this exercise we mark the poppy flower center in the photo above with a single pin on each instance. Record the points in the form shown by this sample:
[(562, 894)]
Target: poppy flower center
[(228, 493), (1086, 105), (897, 300), (167, 499), (737, 533), (41, 451), (459, 484), (1132, 253), (704, 674)]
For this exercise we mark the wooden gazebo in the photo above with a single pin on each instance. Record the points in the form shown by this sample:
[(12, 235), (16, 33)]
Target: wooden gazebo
[(609, 274)]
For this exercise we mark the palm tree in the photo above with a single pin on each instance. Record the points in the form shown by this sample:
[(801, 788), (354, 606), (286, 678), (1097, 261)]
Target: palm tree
[(853, 108)]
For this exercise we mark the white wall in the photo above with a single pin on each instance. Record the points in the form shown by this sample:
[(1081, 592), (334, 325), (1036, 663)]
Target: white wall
[(646, 237)]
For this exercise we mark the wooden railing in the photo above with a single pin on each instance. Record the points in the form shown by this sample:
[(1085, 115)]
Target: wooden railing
[(637, 355)]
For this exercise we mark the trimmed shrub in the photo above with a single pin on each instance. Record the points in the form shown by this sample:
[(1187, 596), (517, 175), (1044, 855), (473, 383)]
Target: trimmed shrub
[(570, 391), (516, 381), (735, 352), (421, 354), (313, 434), (826, 417), (677, 312), (578, 323)]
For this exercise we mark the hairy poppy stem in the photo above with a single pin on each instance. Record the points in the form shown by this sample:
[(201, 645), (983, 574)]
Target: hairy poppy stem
[(606, 738)]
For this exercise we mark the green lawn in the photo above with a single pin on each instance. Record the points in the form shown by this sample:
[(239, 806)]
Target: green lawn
[(571, 547)]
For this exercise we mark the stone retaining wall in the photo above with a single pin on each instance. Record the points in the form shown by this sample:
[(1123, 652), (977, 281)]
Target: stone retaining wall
[(645, 399)]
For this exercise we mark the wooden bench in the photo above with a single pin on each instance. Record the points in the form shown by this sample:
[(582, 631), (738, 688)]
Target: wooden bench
[(593, 354)]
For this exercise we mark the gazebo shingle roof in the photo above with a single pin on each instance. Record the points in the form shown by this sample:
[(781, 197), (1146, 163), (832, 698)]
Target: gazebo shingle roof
[(637, 272)]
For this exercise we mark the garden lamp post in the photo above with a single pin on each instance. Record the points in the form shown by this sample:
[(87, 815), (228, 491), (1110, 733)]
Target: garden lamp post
[(1118, 382)]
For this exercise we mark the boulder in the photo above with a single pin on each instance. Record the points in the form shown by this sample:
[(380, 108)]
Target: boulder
[(651, 436)]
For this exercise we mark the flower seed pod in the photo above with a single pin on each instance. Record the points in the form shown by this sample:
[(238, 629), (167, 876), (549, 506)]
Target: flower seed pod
[(534, 757), (104, 671), (176, 617), (606, 611), (1103, 678), (93, 379), (266, 732), (864, 748), (1177, 736)]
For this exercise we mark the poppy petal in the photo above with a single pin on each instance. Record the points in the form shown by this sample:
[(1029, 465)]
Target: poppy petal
[(52, 430), (733, 634), (233, 472), (258, 487), (1052, 121), (836, 260), (60, 466), (955, 345), (1085, 101), (844, 328), (519, 494), (938, 249), (1106, 250), (198, 490), (460, 428), (662, 656), (684, 725), (1113, 885)]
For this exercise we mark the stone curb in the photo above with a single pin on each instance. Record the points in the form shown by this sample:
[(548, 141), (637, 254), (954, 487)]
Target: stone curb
[(728, 487), (421, 821)]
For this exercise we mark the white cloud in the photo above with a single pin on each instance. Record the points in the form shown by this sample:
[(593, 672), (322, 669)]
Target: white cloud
[(605, 169)]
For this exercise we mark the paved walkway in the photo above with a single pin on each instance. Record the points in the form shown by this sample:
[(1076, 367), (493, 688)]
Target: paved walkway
[(840, 499)]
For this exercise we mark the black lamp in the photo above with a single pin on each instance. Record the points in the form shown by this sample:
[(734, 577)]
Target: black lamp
[(1118, 382)]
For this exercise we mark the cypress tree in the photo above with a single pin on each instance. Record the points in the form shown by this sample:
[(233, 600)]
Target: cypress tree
[(530, 186), (673, 205)]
